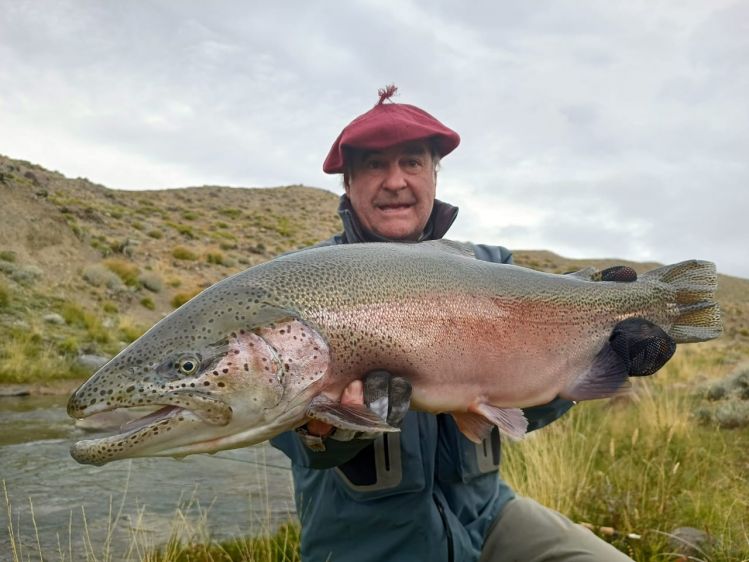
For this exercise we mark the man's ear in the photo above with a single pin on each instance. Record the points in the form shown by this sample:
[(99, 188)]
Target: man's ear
[(346, 183)]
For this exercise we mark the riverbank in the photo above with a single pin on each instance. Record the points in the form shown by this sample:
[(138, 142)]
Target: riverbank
[(49, 388)]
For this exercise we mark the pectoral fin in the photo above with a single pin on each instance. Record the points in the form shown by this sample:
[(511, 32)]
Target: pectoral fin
[(346, 416), (607, 376)]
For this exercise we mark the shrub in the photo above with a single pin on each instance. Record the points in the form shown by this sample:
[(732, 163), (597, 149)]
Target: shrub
[(98, 275), (7, 255), (4, 295), (151, 281), (175, 282), (231, 212), (68, 346), (147, 302), (183, 229), (181, 298), (189, 215), (155, 233), (125, 270), (182, 253), (110, 307), (27, 275), (129, 330), (216, 258)]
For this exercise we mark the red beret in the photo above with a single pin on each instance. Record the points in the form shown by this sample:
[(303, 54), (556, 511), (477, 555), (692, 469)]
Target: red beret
[(386, 125)]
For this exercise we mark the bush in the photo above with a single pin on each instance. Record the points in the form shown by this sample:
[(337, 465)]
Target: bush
[(216, 258), (155, 233), (183, 229), (98, 276), (151, 281), (147, 302), (182, 253), (27, 275), (181, 298), (7, 255), (110, 307), (125, 270), (231, 212), (189, 215), (4, 295), (68, 346), (129, 330)]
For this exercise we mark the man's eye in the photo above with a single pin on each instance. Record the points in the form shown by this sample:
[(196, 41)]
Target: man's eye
[(373, 165)]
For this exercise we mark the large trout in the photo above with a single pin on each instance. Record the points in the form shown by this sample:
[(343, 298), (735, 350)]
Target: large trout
[(261, 352)]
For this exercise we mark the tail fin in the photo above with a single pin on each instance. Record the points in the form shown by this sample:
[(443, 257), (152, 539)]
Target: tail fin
[(695, 283)]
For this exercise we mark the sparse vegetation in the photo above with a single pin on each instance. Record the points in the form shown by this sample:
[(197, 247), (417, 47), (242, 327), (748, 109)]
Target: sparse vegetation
[(127, 271), (7, 255), (182, 253), (147, 302), (4, 295), (181, 298), (151, 281)]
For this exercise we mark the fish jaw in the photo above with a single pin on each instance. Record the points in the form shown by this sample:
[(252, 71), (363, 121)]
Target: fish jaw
[(177, 432)]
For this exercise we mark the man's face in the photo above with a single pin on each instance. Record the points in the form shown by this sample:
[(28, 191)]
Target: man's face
[(392, 191)]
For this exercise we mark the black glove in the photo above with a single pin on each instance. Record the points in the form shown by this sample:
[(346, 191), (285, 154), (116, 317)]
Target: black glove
[(642, 345), (389, 396)]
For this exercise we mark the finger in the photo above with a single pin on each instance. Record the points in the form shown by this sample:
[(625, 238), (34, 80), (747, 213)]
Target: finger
[(353, 393)]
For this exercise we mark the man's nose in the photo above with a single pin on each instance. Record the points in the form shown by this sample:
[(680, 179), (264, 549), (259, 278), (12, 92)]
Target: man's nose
[(395, 178)]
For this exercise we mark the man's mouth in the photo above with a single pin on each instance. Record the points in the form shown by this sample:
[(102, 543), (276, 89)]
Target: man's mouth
[(394, 207)]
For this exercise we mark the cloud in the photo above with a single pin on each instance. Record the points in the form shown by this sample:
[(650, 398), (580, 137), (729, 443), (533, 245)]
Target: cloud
[(589, 129)]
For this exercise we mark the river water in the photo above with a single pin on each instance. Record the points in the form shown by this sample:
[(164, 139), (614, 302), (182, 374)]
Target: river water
[(108, 513)]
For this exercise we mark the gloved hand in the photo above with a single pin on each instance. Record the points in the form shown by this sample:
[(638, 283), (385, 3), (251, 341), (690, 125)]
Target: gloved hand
[(389, 396), (642, 345)]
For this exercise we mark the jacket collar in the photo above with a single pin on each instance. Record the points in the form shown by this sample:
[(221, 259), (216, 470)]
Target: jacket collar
[(442, 217)]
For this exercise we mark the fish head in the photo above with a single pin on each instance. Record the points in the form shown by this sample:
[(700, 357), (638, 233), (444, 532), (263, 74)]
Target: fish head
[(217, 380)]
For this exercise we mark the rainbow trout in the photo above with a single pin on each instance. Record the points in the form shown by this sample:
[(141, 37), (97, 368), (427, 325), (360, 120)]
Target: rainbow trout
[(263, 351)]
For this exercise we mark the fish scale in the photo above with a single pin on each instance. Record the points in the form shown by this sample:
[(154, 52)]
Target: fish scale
[(476, 339)]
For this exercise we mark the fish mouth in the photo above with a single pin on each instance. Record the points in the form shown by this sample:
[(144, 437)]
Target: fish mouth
[(134, 436), (206, 407), (174, 414)]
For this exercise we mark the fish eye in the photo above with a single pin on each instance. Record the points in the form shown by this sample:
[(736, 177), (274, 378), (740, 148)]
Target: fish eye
[(188, 365)]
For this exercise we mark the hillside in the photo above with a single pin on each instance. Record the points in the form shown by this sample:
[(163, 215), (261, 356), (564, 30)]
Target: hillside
[(85, 269)]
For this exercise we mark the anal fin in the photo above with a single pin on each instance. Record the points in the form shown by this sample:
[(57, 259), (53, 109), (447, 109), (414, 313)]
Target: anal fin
[(346, 416)]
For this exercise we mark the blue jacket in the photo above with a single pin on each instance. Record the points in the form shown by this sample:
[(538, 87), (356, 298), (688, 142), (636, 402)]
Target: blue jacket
[(426, 493)]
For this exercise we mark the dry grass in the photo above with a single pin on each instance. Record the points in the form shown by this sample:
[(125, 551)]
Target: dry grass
[(644, 465)]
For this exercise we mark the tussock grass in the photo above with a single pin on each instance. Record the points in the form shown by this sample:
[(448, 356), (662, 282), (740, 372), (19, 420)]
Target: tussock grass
[(127, 271), (26, 356)]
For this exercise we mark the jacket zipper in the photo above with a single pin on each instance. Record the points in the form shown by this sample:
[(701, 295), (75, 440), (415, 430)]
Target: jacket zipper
[(448, 533)]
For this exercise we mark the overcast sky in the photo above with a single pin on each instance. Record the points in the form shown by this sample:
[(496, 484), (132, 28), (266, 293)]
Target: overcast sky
[(592, 129)]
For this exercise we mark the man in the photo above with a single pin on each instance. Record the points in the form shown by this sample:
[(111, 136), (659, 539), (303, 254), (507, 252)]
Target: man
[(426, 493)]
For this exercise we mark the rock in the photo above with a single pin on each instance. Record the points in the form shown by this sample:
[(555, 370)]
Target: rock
[(91, 362), (10, 390), (689, 541), (53, 318)]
